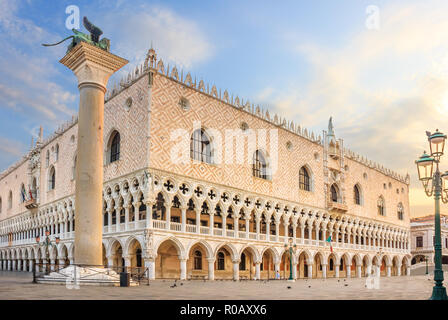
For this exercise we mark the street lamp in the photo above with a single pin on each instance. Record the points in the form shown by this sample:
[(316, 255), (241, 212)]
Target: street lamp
[(47, 242), (292, 248), (426, 260), (439, 189)]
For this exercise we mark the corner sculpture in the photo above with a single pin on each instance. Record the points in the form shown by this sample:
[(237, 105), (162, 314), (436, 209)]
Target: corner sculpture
[(93, 38)]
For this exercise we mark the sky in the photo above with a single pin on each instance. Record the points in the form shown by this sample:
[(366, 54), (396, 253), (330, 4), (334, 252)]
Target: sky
[(380, 68)]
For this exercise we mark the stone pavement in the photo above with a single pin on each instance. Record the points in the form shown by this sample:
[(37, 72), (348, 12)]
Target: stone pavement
[(18, 285)]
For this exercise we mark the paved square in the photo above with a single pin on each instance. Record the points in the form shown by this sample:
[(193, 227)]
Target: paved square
[(17, 285)]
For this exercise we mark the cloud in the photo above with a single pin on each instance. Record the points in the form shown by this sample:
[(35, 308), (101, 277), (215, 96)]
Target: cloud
[(132, 29), (383, 88)]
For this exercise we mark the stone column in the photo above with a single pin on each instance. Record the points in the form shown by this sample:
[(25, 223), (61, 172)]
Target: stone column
[(183, 218), (31, 262), (236, 270), (61, 263), (257, 227), (212, 222), (369, 269), (247, 228), (110, 261), (224, 222), (211, 269), (408, 271), (358, 271), (398, 270), (324, 271), (168, 214), (52, 264), (257, 270), (302, 233), (19, 265), (183, 269), (93, 67), (294, 232), (126, 217), (336, 270), (388, 270), (198, 220), (348, 272), (235, 226), (310, 270), (151, 265), (277, 229), (13, 265)]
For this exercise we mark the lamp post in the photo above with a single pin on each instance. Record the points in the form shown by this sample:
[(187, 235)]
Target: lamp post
[(292, 248), (47, 242), (426, 260), (439, 189)]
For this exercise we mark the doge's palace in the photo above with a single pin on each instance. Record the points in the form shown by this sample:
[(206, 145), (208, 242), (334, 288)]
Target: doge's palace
[(201, 184)]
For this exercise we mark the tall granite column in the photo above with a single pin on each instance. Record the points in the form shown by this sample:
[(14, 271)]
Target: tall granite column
[(93, 67)]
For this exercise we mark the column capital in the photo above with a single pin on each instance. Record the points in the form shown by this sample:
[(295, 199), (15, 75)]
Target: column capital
[(236, 261), (92, 65), (211, 260)]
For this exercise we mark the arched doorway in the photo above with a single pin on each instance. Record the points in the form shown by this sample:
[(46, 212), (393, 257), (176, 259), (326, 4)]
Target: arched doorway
[(331, 266), (383, 267), (117, 257), (285, 265), (317, 266), (247, 265), (302, 267), (197, 265), (267, 268), (223, 264), (135, 255), (365, 263), (167, 265)]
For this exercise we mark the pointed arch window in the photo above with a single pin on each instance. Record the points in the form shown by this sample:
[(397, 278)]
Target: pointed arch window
[(22, 193), (200, 146), (221, 261), (10, 200), (47, 158), (357, 195), (381, 207), (56, 153), (259, 165), (304, 179), (334, 193), (115, 147), (52, 179), (400, 211), (243, 262), (197, 260)]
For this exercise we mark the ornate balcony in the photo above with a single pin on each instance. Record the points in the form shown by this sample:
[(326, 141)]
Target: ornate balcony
[(337, 207), (31, 204)]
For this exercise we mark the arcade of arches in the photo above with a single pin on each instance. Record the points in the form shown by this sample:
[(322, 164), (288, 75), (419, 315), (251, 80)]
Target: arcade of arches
[(178, 258)]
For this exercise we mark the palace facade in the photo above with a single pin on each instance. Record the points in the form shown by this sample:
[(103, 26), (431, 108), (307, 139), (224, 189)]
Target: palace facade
[(200, 184)]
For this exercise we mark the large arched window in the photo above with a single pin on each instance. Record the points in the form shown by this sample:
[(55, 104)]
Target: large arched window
[(52, 179), (115, 147), (259, 165), (197, 260), (357, 194), (47, 158), (200, 146), (10, 200), (243, 262), (334, 193), (22, 193), (400, 211), (56, 153), (74, 168), (221, 261), (304, 179), (381, 207)]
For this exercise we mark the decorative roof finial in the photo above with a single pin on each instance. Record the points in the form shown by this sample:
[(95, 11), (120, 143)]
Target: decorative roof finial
[(330, 127)]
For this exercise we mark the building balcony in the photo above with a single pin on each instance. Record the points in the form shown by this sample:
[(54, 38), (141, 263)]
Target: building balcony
[(337, 207), (31, 204)]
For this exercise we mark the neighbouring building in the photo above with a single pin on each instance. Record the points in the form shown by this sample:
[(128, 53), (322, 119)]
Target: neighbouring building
[(201, 184), (423, 238)]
